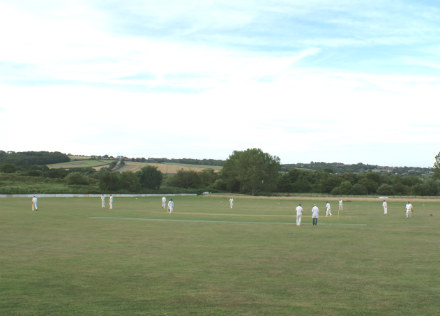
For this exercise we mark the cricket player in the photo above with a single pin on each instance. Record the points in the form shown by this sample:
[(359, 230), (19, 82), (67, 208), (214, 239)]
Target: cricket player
[(299, 212), (110, 202), (102, 201), (385, 207), (328, 209), (171, 206), (409, 209), (315, 214), (164, 202), (34, 203), (231, 202), (340, 205)]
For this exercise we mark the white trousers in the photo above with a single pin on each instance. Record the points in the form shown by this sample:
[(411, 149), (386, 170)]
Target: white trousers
[(298, 219)]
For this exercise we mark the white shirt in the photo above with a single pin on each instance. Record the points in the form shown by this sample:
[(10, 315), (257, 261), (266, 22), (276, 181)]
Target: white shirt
[(315, 212), (171, 204), (299, 210), (409, 207), (327, 206)]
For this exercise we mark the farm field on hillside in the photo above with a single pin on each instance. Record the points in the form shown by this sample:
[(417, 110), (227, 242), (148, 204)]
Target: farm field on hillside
[(73, 257), (166, 168)]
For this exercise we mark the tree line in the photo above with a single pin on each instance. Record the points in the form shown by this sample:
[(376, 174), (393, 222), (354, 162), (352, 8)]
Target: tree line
[(248, 172)]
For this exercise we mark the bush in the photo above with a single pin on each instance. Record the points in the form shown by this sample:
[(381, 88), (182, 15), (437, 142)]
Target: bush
[(8, 168), (385, 189), (77, 178), (150, 177)]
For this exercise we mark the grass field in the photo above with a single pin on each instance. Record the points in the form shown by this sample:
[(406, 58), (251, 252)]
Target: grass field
[(74, 258)]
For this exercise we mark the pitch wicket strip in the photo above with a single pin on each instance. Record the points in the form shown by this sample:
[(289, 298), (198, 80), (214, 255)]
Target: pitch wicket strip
[(248, 215), (213, 221)]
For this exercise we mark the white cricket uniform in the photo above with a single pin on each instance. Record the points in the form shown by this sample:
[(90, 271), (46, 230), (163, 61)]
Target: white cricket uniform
[(103, 201), (385, 207), (340, 205), (34, 204), (164, 202), (171, 206), (328, 211), (409, 208), (299, 212), (231, 202), (110, 202), (315, 212)]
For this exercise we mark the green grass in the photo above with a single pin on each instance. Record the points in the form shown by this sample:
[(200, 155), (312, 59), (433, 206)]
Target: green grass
[(74, 258)]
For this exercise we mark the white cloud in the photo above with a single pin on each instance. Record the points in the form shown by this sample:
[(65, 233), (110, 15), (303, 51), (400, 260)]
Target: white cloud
[(201, 80)]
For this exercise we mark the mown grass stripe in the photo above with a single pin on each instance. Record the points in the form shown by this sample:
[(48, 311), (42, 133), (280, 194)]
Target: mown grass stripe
[(217, 221)]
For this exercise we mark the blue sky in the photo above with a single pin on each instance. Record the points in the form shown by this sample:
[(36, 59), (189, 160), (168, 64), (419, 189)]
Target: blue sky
[(332, 81)]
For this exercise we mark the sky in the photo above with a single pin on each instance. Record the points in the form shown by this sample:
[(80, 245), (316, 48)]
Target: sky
[(319, 80)]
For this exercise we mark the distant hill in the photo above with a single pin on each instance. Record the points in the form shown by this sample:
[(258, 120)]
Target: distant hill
[(337, 167), (166, 165)]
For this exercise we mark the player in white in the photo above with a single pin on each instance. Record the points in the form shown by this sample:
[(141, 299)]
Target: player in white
[(315, 214), (299, 212), (385, 207), (328, 209), (102, 201), (171, 206), (409, 209), (110, 202), (34, 203), (164, 202), (340, 205), (231, 202)]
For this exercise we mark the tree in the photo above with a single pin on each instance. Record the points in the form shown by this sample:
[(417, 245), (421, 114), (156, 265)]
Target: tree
[(109, 181), (150, 177), (251, 171), (385, 189), (185, 179), (77, 178), (129, 182)]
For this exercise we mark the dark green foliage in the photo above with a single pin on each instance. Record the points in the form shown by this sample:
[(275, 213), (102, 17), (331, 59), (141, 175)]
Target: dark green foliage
[(8, 168), (56, 173), (385, 189), (28, 158), (185, 179), (109, 181), (76, 178), (208, 177), (129, 182), (150, 177), (251, 171)]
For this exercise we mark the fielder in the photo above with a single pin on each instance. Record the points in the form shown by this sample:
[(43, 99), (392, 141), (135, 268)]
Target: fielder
[(164, 202), (409, 209), (328, 209), (231, 202), (299, 212), (102, 201), (385, 207), (34, 203), (340, 205), (315, 214), (171, 206), (110, 202)]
